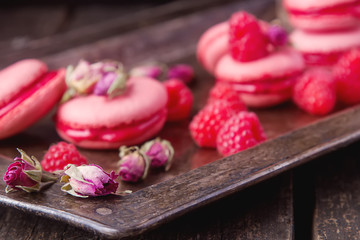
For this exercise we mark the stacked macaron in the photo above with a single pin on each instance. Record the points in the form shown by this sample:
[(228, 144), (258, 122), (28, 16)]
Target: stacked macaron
[(252, 57), (324, 29)]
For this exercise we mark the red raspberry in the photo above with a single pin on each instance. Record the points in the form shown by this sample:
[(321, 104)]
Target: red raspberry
[(180, 100), (223, 91), (206, 124), (240, 132), (315, 92), (347, 77), (247, 42), (60, 155)]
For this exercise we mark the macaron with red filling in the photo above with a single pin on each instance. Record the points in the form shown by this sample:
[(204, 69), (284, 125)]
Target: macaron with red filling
[(252, 57), (324, 48), (265, 82), (28, 91), (323, 15), (98, 121)]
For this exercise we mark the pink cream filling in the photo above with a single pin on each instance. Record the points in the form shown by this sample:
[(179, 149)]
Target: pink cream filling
[(339, 9), (27, 92), (115, 134), (265, 86)]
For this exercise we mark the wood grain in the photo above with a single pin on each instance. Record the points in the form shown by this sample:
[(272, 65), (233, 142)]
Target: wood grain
[(337, 195)]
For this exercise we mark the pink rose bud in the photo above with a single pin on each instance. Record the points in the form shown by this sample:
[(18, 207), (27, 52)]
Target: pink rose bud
[(134, 164), (26, 174), (100, 78), (160, 153), (182, 72), (88, 180), (104, 84), (152, 71), (277, 35)]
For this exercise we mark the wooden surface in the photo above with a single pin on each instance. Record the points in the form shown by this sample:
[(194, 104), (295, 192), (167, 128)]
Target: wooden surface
[(269, 210)]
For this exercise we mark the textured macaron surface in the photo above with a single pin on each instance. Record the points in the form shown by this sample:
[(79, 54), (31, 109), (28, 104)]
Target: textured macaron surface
[(278, 64), (18, 77), (143, 98), (325, 42)]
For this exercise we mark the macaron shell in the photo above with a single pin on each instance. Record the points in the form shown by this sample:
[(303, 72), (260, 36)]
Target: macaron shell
[(19, 76), (284, 62), (34, 107), (143, 98), (315, 42), (212, 45), (306, 5), (323, 22)]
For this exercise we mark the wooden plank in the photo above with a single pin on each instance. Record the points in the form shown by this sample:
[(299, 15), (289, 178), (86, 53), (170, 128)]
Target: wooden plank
[(260, 212), (337, 195), (70, 31)]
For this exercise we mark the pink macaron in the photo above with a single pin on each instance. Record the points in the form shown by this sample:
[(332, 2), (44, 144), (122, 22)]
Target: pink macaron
[(212, 45), (27, 92), (98, 122), (324, 48), (264, 82), (323, 15)]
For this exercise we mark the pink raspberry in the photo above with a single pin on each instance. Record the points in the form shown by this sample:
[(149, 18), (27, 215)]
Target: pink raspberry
[(347, 77), (240, 132), (247, 42), (180, 100), (60, 155), (314, 91), (206, 124)]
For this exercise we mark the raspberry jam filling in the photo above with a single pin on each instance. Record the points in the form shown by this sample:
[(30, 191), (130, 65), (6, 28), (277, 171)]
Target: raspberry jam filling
[(115, 134), (270, 86), (339, 9), (321, 59), (27, 92)]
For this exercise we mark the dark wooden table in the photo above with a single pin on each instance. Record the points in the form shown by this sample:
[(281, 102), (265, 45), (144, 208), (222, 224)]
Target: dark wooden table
[(319, 200)]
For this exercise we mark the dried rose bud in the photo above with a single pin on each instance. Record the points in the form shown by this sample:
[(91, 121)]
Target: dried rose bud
[(101, 78), (182, 72), (134, 164), (152, 71), (88, 181), (160, 153), (277, 35), (104, 84), (81, 77), (26, 174)]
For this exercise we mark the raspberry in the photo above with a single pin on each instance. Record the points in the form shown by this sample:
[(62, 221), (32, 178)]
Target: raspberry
[(60, 155), (240, 132), (247, 42), (180, 100), (347, 77), (224, 92), (206, 124), (314, 91)]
